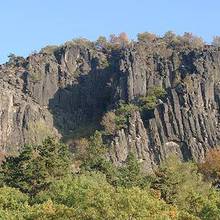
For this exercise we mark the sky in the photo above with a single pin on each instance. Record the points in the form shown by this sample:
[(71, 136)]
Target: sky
[(28, 25)]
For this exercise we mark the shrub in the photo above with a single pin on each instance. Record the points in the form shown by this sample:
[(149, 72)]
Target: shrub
[(157, 91), (149, 102), (103, 62), (126, 109)]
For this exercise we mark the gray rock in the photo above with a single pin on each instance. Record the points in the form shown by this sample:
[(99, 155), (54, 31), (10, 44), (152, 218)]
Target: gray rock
[(58, 92)]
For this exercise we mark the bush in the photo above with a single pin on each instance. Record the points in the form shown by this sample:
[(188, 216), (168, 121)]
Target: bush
[(150, 101)]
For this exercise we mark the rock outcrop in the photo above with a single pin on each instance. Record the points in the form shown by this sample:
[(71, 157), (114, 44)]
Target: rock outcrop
[(57, 92)]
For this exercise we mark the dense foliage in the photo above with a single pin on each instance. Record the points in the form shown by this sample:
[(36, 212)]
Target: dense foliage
[(40, 183)]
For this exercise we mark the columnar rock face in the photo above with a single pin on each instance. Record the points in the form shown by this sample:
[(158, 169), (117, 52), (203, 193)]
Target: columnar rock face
[(57, 92), (187, 122)]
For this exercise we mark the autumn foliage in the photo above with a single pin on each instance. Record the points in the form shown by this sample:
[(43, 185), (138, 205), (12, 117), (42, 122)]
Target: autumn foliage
[(211, 167)]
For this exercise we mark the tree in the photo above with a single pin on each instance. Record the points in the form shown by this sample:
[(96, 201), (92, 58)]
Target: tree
[(101, 42), (216, 41), (93, 198), (15, 60), (150, 101), (108, 122), (169, 36), (210, 168), (50, 210), (171, 39), (130, 174), (120, 40), (113, 39), (146, 37), (13, 199), (123, 39), (92, 153), (13, 204), (36, 166), (180, 184), (189, 40)]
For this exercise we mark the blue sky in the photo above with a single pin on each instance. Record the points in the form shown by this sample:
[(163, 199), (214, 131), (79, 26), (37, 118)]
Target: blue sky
[(28, 25)]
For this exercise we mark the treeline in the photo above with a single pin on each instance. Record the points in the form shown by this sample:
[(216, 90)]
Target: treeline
[(48, 182), (169, 38), (154, 42)]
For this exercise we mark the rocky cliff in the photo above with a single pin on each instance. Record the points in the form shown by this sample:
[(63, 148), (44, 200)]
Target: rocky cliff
[(58, 91)]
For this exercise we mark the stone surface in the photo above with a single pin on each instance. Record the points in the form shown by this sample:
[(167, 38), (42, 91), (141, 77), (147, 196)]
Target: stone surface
[(59, 92)]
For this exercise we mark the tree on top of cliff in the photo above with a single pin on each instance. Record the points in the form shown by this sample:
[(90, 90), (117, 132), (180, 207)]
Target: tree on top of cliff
[(120, 40), (146, 37), (216, 41)]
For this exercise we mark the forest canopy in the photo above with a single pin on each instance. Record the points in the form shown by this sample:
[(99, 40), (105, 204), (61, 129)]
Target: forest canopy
[(41, 183)]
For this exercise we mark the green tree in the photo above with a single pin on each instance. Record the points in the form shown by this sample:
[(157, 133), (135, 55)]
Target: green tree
[(93, 198), (93, 153), (13, 203), (180, 184), (36, 166), (101, 42), (130, 174)]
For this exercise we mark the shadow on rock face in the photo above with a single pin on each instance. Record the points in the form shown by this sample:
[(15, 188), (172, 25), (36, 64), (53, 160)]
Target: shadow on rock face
[(81, 105)]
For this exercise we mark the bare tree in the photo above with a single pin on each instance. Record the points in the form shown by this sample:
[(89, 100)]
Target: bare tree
[(216, 41)]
